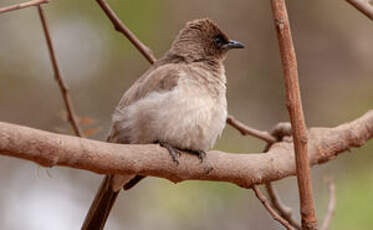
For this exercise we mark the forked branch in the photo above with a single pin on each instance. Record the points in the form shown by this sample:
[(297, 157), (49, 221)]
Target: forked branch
[(271, 211), (284, 211), (22, 5)]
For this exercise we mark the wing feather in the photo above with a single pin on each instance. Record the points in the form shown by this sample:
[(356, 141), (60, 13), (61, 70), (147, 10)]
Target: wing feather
[(163, 78)]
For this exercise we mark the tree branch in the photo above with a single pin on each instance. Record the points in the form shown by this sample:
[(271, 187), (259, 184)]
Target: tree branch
[(245, 130), (294, 106), (121, 28), (364, 6), (71, 117), (278, 132), (49, 149), (284, 211), (271, 211), (23, 5)]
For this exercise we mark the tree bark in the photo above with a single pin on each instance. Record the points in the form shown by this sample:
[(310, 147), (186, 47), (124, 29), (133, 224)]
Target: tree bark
[(50, 149)]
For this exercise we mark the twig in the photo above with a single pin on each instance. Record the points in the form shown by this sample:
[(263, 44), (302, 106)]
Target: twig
[(22, 5), (120, 27), (364, 6), (284, 211), (64, 90), (271, 211), (245, 130), (331, 206), (294, 106)]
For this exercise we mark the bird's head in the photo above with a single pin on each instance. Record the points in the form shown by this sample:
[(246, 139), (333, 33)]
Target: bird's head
[(202, 39)]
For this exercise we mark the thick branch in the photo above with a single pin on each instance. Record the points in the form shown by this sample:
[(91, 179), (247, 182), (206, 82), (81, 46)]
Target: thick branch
[(294, 106), (23, 5), (364, 6), (71, 117), (49, 149)]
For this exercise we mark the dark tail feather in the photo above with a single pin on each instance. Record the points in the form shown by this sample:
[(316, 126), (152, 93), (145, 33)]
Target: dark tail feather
[(103, 202), (101, 206), (133, 182)]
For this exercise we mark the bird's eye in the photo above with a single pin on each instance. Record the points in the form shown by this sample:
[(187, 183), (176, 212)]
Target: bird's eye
[(219, 40)]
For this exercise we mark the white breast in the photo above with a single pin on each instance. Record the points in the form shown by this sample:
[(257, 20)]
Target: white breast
[(187, 117)]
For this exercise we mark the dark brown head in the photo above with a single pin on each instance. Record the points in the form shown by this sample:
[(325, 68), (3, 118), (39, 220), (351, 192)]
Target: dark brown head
[(202, 39)]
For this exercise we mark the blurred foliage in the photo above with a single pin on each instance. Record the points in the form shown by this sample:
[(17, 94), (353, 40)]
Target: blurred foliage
[(334, 49)]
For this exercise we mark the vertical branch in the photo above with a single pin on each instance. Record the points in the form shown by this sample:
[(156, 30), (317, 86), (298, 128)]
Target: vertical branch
[(294, 106), (64, 90)]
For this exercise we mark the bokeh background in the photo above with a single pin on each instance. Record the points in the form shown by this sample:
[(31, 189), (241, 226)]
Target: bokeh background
[(334, 48)]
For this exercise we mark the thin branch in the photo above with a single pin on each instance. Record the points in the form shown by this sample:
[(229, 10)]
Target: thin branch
[(22, 5), (331, 207), (280, 130), (294, 106), (364, 6), (271, 211), (62, 85), (122, 28), (245, 130), (49, 149), (284, 211)]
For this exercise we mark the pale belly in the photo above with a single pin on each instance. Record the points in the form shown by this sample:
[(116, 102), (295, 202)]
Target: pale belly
[(184, 118)]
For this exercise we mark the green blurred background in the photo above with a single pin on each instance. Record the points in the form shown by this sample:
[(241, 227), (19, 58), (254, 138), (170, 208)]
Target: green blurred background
[(334, 48)]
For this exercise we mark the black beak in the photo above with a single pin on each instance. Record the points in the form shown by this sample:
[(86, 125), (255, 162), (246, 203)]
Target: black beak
[(233, 45)]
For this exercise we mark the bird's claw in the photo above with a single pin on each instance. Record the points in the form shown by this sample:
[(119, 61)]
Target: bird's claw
[(200, 154), (174, 153)]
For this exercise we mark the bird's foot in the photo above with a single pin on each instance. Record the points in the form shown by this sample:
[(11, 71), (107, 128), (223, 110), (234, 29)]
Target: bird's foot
[(174, 152), (200, 154)]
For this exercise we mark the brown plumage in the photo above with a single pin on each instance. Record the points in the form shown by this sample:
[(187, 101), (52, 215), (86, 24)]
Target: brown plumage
[(179, 102)]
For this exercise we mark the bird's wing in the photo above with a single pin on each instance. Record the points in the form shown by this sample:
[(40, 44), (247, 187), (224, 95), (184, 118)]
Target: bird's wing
[(156, 79), (162, 78)]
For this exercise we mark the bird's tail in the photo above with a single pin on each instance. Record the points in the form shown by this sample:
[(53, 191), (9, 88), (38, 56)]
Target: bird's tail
[(105, 198), (101, 206)]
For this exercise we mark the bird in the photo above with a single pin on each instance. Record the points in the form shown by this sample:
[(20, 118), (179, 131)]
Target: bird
[(179, 102)]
